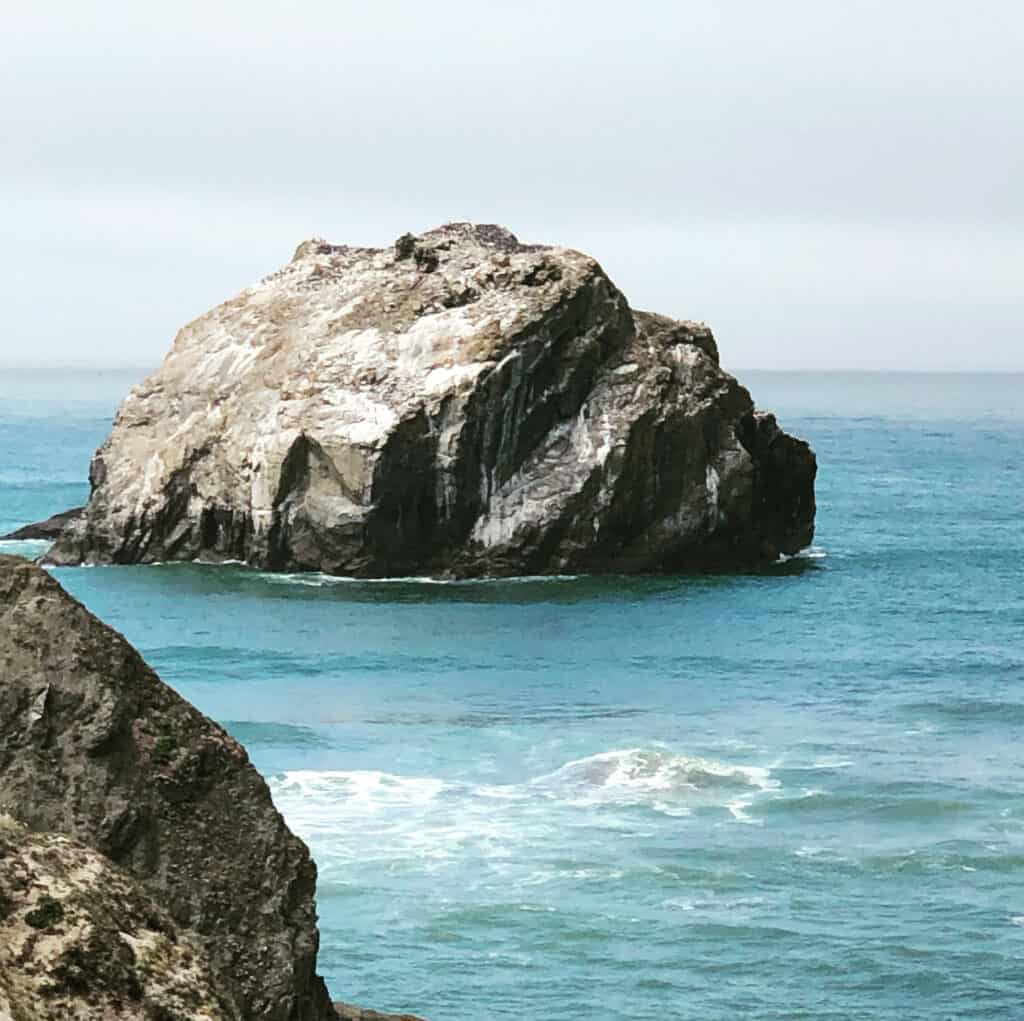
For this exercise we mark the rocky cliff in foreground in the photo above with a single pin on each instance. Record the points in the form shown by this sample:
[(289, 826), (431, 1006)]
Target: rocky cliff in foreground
[(458, 404), (95, 747), (81, 941)]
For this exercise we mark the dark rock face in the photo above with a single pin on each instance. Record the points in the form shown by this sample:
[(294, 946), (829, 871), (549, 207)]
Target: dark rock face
[(50, 529), (783, 494), (458, 404), (94, 746)]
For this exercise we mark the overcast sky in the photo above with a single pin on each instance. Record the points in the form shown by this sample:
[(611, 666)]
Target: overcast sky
[(827, 184)]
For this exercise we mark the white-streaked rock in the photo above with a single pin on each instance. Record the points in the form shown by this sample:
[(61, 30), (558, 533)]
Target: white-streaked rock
[(457, 404)]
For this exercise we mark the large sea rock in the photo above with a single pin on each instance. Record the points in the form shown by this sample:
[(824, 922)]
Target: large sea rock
[(456, 404), (95, 747)]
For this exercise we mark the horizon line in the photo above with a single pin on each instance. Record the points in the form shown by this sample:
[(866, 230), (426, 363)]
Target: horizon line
[(35, 368)]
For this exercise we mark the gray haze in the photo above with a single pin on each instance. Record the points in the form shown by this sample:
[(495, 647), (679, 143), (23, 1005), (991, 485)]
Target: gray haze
[(828, 184)]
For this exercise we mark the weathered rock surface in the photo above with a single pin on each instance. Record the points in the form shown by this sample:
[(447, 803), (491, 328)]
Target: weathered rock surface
[(94, 746), (80, 940), (458, 404), (50, 529)]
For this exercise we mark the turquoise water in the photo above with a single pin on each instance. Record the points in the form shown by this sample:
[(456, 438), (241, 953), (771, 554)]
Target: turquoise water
[(795, 794)]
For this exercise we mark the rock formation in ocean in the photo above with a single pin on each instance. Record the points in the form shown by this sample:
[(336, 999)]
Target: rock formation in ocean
[(81, 940), (50, 529), (457, 404), (350, 1012), (95, 747)]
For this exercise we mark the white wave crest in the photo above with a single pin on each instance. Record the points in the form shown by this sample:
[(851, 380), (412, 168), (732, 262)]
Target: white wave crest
[(835, 763), (25, 547), (671, 784), (810, 553), (315, 579), (362, 815), (369, 818), (657, 770), (370, 788), (351, 816)]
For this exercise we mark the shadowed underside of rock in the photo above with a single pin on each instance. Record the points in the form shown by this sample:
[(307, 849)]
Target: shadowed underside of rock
[(94, 746), (458, 404)]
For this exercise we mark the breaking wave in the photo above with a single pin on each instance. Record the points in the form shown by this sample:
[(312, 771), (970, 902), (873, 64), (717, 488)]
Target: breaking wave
[(343, 811), (646, 773), (670, 784), (810, 553)]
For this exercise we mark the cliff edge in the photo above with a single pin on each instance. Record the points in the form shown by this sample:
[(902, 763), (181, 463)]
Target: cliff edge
[(94, 746)]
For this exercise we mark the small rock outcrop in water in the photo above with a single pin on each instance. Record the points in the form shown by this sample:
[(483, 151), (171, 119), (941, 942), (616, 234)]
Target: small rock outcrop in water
[(458, 404), (350, 1012), (80, 940), (95, 747), (50, 529)]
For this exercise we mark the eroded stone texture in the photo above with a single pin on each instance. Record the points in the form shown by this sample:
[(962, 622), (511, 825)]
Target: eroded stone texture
[(457, 404), (80, 940), (94, 746)]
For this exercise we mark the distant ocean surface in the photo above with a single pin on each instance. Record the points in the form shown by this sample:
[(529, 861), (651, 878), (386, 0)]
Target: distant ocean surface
[(794, 794)]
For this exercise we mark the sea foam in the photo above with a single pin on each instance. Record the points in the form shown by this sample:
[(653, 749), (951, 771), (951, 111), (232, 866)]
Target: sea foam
[(349, 813), (643, 774)]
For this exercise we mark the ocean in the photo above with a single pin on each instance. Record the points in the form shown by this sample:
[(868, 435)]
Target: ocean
[(797, 793)]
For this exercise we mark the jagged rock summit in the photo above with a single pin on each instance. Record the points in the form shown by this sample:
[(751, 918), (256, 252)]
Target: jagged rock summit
[(457, 404)]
